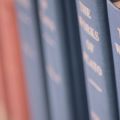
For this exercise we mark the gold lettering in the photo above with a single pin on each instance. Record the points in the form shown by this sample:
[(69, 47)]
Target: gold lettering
[(117, 47), (92, 64), (85, 10), (88, 29), (48, 22), (89, 46), (118, 29), (95, 85), (48, 39), (53, 74)]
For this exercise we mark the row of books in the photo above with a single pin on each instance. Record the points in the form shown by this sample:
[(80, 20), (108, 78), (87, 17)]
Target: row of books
[(59, 59)]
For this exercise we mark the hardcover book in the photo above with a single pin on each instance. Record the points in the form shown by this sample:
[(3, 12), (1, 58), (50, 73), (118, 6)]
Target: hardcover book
[(30, 41), (114, 22), (76, 60), (59, 41), (12, 64), (98, 63)]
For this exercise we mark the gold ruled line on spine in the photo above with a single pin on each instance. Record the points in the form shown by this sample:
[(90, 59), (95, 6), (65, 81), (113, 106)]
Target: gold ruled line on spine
[(95, 85), (94, 116)]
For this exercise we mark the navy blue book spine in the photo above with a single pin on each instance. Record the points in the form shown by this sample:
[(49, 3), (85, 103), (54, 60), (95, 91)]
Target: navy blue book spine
[(76, 60), (114, 22), (27, 19), (57, 59), (98, 64)]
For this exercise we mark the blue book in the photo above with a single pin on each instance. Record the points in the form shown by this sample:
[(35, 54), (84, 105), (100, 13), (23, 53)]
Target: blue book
[(27, 19), (98, 64), (114, 22), (76, 60), (59, 43)]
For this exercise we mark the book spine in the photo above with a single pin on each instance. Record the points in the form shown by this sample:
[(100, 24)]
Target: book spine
[(114, 22), (57, 59), (98, 64), (30, 41), (80, 103), (3, 100), (12, 64)]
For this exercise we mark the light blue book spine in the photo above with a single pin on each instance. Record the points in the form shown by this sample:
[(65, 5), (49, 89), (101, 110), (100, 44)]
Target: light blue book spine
[(114, 22), (98, 63), (57, 59), (32, 57)]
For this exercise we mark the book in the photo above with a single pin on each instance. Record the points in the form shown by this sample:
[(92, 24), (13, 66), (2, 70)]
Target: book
[(33, 60), (15, 85), (114, 23), (76, 60), (98, 61), (59, 41), (3, 100)]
